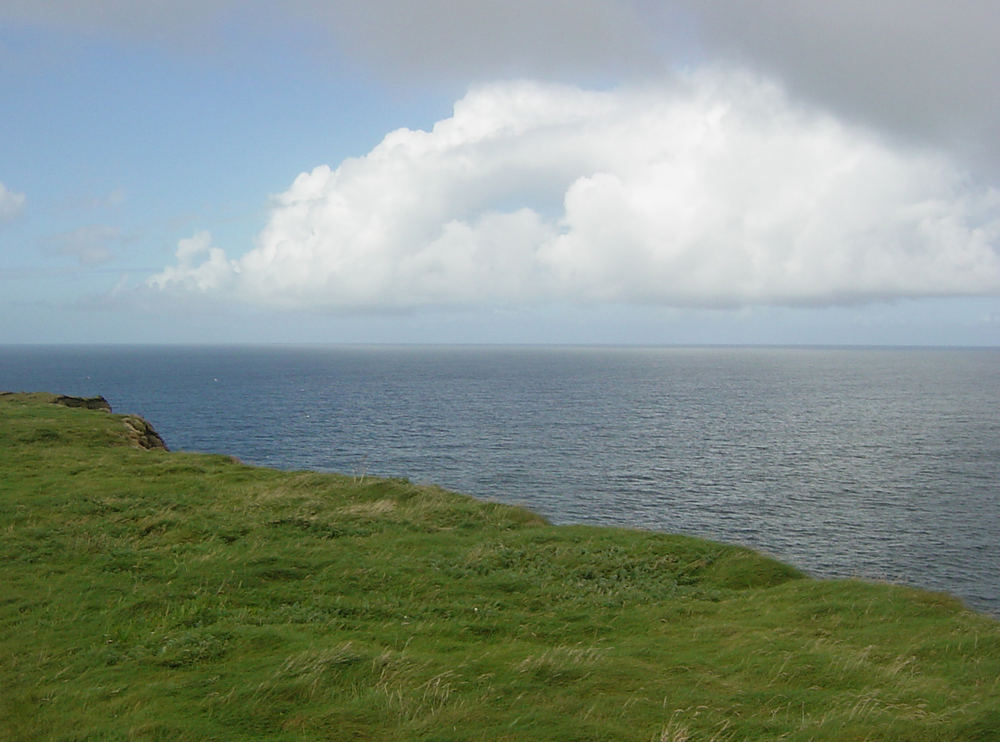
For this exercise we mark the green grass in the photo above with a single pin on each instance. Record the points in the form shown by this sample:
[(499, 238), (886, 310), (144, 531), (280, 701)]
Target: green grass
[(147, 595)]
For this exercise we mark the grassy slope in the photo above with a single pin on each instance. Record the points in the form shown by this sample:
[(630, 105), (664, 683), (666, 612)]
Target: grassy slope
[(154, 595)]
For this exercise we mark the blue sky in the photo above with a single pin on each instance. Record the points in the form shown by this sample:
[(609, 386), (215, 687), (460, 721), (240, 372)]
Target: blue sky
[(551, 172)]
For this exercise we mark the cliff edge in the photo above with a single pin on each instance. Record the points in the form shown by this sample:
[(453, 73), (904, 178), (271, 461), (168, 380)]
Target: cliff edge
[(138, 431)]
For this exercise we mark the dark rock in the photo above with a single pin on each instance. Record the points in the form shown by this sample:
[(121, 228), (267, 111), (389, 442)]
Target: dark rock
[(142, 434), (90, 403)]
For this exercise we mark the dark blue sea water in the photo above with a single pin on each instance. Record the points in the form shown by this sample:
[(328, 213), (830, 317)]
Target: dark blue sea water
[(878, 463)]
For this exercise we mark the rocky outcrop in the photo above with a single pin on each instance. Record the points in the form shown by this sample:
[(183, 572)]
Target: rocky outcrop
[(142, 435), (139, 432), (90, 403)]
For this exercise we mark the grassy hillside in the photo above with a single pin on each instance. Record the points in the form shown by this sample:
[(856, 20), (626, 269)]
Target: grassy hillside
[(148, 595)]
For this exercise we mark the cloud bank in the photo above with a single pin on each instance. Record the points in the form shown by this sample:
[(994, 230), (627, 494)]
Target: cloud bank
[(923, 68), (919, 69), (710, 190)]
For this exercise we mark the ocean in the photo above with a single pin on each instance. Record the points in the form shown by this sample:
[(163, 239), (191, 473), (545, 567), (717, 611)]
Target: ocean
[(879, 463)]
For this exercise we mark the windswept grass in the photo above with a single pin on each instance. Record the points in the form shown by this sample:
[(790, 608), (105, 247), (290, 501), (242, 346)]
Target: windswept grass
[(149, 595)]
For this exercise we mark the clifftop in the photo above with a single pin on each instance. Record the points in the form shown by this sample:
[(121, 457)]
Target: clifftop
[(152, 595), (138, 431)]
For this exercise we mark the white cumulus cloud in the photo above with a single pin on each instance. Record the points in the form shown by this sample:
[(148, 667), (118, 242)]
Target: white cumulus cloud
[(11, 203), (712, 189), (200, 267)]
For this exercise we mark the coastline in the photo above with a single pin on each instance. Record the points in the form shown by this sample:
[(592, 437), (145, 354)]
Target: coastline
[(188, 595)]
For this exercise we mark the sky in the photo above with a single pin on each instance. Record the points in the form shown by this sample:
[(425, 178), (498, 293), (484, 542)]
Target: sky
[(487, 171)]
